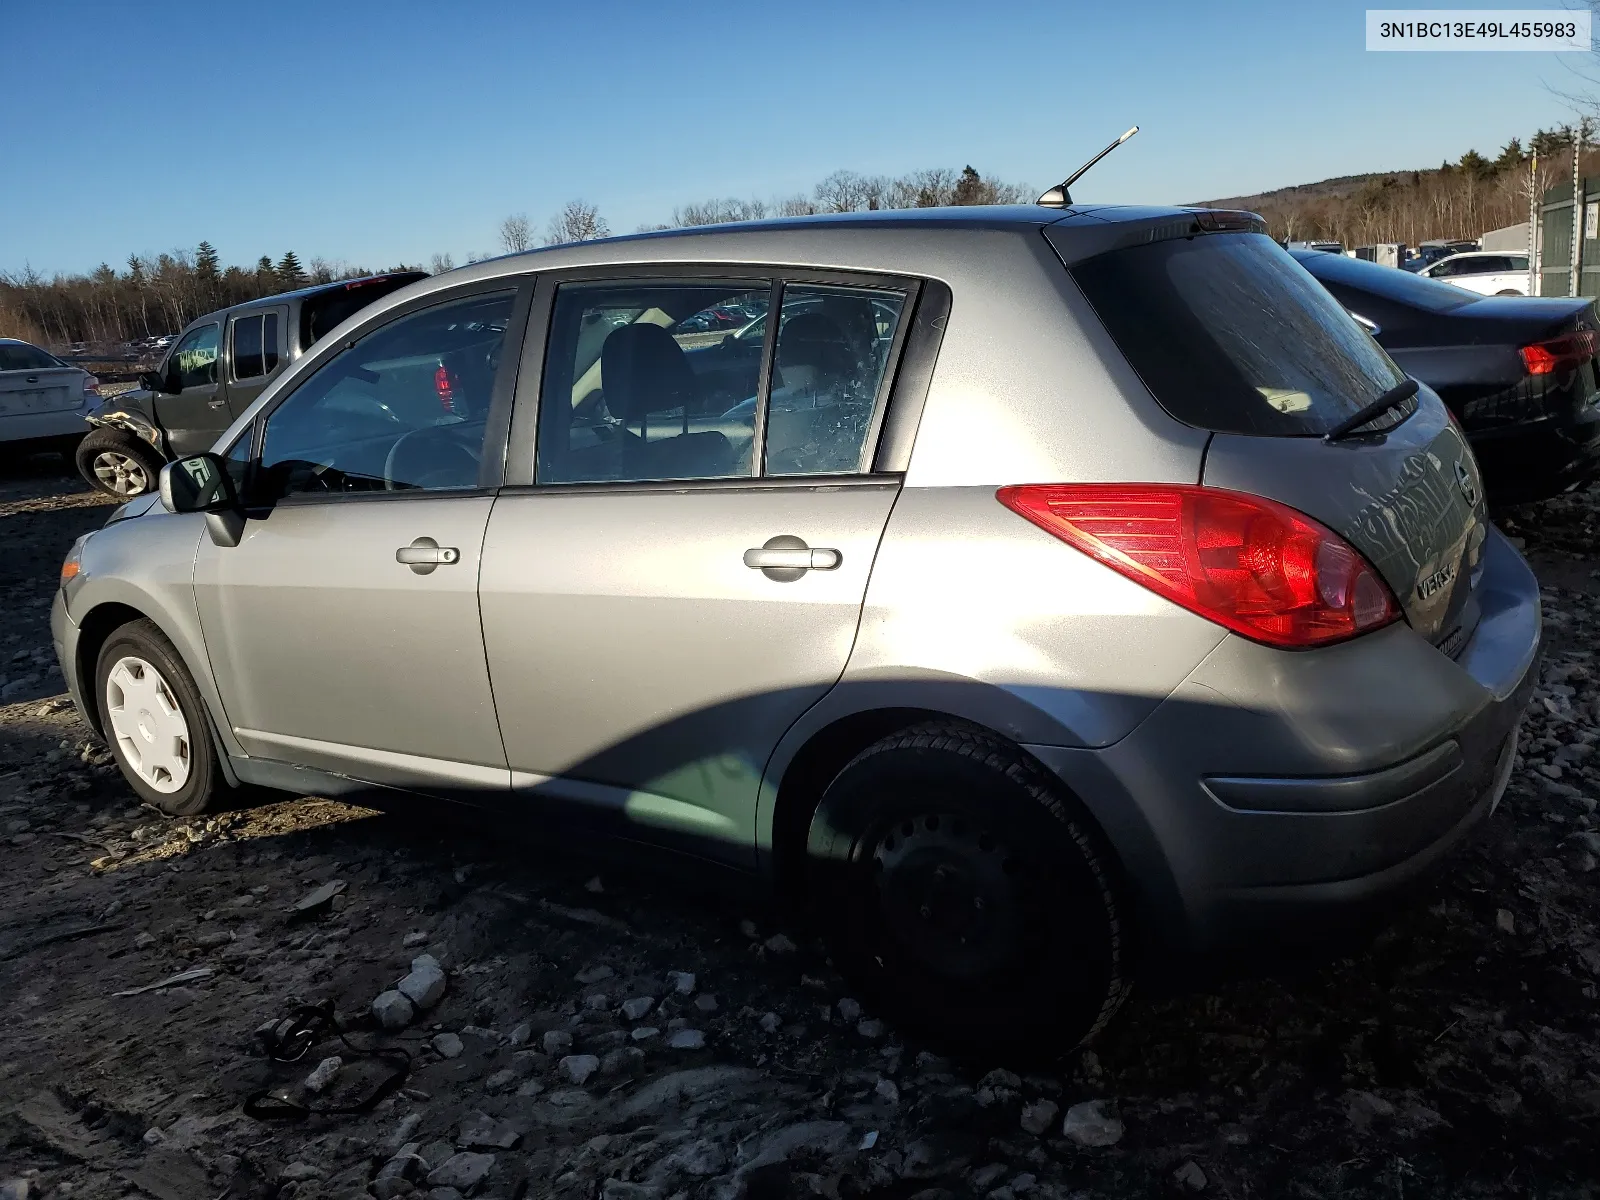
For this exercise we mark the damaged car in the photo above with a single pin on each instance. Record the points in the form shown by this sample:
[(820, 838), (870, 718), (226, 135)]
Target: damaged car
[(213, 372)]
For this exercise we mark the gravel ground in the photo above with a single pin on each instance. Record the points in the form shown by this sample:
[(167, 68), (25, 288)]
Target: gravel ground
[(604, 1033)]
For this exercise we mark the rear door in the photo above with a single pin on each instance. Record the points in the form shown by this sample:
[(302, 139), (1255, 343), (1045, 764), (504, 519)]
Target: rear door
[(257, 351), (1231, 334), (32, 381), (682, 573)]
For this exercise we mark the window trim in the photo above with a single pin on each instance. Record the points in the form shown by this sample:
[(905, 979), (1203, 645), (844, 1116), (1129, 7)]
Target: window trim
[(522, 435), (492, 467)]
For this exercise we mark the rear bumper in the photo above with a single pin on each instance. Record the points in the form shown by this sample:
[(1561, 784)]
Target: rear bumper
[(1525, 463), (1277, 798)]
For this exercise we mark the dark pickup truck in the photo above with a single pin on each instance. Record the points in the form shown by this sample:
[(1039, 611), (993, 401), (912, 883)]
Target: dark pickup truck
[(212, 373)]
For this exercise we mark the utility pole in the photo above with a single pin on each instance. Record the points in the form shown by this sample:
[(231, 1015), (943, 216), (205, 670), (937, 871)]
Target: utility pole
[(1578, 136)]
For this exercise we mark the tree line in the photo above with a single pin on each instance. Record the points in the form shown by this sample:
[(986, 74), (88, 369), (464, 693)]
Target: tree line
[(151, 295), (1458, 200)]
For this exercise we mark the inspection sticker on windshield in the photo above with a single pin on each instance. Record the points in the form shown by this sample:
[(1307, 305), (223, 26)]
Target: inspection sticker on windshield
[(1554, 29)]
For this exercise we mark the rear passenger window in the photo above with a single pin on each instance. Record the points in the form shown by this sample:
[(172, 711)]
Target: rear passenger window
[(832, 356), (648, 381), (269, 344), (247, 348)]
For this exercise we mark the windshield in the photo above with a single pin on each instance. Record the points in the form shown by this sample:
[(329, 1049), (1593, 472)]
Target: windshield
[(1231, 334)]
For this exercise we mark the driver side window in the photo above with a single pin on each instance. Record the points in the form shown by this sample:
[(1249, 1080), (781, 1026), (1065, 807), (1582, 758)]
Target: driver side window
[(405, 408)]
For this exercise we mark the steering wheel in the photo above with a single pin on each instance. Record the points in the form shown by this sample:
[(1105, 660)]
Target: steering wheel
[(447, 439)]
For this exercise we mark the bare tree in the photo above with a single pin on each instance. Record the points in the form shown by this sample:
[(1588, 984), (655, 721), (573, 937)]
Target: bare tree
[(516, 233), (578, 221), (716, 212), (846, 191), (440, 263)]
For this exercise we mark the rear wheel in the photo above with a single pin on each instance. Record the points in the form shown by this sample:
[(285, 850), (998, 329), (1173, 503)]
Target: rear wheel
[(118, 463), (155, 721), (963, 891)]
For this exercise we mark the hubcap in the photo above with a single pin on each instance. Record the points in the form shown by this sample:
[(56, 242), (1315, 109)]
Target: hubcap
[(121, 474), (147, 724), (950, 894)]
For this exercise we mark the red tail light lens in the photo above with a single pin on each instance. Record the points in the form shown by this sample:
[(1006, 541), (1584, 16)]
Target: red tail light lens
[(1568, 350), (444, 386), (91, 386), (1252, 565)]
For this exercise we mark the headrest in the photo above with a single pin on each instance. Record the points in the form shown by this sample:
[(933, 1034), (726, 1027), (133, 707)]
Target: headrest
[(643, 370)]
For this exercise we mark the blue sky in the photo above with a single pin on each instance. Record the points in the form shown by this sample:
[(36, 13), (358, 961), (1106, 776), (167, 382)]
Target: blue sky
[(375, 131)]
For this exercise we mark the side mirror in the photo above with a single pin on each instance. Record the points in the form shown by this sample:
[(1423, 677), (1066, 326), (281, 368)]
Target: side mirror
[(201, 483), (152, 381)]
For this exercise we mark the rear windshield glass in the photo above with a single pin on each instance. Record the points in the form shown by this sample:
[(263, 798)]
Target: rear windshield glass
[(327, 310), (17, 357), (1387, 283), (1232, 335)]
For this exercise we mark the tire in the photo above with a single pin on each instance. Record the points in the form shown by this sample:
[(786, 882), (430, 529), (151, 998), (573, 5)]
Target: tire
[(967, 895), (119, 464), (155, 721)]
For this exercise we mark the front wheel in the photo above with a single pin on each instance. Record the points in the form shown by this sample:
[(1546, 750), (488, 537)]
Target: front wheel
[(962, 889), (118, 464), (155, 721)]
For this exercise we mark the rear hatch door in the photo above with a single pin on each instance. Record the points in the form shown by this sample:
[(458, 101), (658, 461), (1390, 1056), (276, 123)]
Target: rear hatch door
[(1231, 334)]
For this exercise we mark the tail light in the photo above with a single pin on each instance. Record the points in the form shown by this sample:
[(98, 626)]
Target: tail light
[(1252, 565), (91, 386), (444, 386), (1568, 350)]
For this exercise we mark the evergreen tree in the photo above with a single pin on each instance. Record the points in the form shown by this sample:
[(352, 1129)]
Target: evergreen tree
[(290, 273), (135, 270), (1476, 165), (1511, 155), (206, 263), (969, 188)]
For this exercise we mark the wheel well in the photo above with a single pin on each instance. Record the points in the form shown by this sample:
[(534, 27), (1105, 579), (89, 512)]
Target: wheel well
[(98, 625), (811, 771)]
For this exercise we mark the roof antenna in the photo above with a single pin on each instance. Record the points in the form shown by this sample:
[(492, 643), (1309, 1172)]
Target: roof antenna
[(1059, 196)]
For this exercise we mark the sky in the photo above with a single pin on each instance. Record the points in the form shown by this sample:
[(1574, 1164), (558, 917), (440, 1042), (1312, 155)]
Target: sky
[(373, 132)]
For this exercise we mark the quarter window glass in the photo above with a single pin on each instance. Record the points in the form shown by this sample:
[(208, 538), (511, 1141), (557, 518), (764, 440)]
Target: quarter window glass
[(247, 348), (651, 381), (195, 359), (405, 408), (833, 350)]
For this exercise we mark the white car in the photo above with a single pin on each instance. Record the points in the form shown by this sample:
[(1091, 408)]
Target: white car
[(1488, 272), (41, 397)]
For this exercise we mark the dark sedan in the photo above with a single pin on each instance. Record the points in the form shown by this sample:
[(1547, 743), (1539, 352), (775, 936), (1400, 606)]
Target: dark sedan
[(1519, 373)]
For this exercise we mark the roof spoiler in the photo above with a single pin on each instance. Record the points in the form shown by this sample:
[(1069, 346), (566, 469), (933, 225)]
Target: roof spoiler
[(1059, 196)]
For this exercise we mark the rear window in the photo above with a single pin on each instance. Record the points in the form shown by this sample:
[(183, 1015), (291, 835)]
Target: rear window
[(16, 357), (1386, 283), (327, 310), (1231, 334)]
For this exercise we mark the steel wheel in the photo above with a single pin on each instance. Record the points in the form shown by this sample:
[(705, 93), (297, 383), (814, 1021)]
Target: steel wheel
[(148, 725), (950, 893)]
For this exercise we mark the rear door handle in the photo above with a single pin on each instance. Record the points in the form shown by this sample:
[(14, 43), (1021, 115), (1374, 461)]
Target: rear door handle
[(786, 558), (424, 554)]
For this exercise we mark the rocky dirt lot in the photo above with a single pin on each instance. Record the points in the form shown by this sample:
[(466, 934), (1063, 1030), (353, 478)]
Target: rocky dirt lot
[(602, 1032)]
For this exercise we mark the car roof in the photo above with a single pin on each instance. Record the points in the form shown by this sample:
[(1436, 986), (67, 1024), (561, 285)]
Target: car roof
[(304, 293)]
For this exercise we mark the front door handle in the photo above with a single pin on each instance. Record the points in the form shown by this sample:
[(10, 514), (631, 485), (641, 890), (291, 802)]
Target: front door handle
[(424, 554), (786, 558)]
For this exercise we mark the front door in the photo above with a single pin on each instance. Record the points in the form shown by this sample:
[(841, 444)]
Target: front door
[(343, 629), (198, 411), (687, 577)]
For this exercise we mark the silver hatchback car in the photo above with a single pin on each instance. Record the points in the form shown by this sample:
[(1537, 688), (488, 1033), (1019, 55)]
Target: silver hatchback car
[(1040, 592)]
